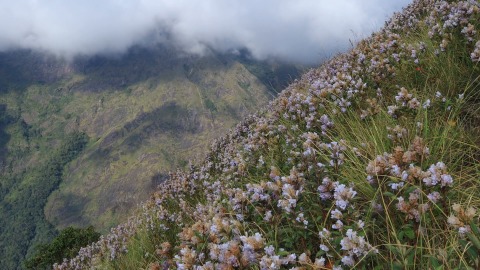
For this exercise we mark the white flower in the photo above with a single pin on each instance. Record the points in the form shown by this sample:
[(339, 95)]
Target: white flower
[(396, 171), (324, 234), (348, 260), (434, 196), (453, 220), (270, 250), (470, 213), (213, 229), (268, 216), (360, 224), (303, 258), (341, 204), (456, 207), (395, 186), (392, 109), (463, 230), (342, 195), (336, 214), (290, 258), (300, 218), (446, 180), (338, 225), (370, 180), (320, 262), (426, 104)]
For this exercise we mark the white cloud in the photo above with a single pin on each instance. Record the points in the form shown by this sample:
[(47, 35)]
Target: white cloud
[(298, 30)]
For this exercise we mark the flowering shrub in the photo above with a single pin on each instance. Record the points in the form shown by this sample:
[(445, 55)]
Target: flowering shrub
[(356, 165)]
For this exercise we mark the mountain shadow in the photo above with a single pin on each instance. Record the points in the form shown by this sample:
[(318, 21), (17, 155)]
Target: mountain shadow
[(169, 117), (22, 68)]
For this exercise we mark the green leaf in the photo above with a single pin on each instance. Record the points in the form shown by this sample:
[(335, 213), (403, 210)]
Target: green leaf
[(410, 189), (410, 257), (197, 234), (394, 250), (472, 253), (389, 194), (410, 233), (397, 266), (470, 250), (435, 263), (283, 252), (474, 239), (475, 229)]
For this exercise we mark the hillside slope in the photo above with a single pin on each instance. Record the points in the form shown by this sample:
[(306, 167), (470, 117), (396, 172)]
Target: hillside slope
[(137, 117), (150, 128), (370, 161)]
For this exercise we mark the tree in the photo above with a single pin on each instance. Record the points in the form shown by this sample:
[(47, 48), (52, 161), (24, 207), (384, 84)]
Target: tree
[(65, 245)]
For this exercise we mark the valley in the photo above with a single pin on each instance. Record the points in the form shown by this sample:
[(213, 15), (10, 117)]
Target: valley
[(139, 116)]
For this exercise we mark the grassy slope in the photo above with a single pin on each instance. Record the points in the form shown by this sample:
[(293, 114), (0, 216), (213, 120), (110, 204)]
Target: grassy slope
[(368, 162), (145, 114)]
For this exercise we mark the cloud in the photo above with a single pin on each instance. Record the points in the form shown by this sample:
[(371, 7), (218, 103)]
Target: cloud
[(296, 30)]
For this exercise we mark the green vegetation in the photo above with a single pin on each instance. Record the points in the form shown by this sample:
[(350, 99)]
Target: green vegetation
[(146, 113), (368, 162), (65, 245), (210, 105), (22, 219)]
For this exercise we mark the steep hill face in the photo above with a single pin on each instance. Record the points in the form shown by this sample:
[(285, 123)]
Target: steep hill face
[(140, 115), (370, 161), (169, 111)]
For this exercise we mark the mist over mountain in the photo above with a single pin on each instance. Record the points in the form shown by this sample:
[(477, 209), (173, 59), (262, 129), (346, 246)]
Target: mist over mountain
[(305, 31)]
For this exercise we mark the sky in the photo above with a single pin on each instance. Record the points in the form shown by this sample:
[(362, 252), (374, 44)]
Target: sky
[(304, 31)]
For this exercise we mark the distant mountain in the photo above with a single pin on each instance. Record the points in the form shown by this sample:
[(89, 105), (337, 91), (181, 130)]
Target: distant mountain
[(141, 114)]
